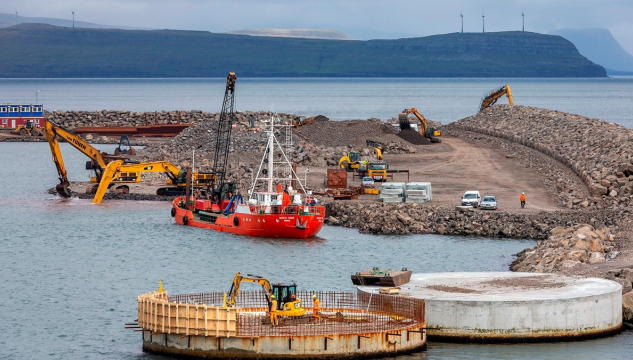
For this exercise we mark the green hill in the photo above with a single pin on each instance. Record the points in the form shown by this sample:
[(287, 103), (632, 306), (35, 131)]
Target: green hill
[(37, 50)]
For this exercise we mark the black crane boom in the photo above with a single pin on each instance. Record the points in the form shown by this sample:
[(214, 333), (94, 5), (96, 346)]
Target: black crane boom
[(223, 134)]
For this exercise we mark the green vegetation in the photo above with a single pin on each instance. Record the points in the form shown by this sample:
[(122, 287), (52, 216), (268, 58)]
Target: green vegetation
[(37, 50)]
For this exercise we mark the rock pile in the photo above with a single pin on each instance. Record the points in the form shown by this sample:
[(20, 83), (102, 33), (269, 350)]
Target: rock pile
[(401, 218), (600, 152), (344, 133), (566, 248), (413, 137), (74, 119)]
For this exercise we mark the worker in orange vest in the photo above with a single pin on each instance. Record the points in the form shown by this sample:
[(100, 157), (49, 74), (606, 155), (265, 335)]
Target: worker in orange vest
[(273, 311), (522, 198), (316, 306)]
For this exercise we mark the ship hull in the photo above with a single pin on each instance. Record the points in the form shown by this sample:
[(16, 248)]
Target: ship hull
[(288, 226)]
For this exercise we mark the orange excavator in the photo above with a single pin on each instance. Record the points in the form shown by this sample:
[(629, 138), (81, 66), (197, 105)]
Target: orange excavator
[(430, 133), (495, 95)]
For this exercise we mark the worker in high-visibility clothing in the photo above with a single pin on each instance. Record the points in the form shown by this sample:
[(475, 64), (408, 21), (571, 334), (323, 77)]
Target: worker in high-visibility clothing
[(273, 311), (522, 198), (316, 306)]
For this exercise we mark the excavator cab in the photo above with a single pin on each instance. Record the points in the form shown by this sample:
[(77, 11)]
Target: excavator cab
[(287, 302)]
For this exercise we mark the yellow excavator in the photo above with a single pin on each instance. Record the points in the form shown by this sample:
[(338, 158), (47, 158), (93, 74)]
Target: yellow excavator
[(378, 149), (52, 130), (495, 95), (430, 133), (110, 169), (288, 305)]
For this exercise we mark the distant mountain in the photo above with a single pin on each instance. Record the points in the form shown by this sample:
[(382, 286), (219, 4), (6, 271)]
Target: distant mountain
[(295, 33), (9, 20), (599, 46), (36, 50)]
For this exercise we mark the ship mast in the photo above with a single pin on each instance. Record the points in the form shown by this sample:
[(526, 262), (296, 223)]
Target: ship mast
[(268, 172), (271, 148)]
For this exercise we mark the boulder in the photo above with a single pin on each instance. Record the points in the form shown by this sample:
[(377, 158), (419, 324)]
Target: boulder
[(627, 307), (598, 190)]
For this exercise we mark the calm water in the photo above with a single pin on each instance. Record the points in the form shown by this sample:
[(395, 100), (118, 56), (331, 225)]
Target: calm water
[(71, 271), (444, 100)]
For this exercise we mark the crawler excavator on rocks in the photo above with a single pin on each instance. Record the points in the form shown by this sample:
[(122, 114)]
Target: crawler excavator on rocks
[(428, 132), (491, 98)]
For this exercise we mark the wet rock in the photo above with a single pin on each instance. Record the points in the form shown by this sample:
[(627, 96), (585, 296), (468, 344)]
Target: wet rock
[(627, 307), (576, 245)]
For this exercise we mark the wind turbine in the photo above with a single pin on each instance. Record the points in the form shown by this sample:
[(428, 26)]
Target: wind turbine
[(483, 22), (523, 16), (73, 11), (17, 17), (462, 15)]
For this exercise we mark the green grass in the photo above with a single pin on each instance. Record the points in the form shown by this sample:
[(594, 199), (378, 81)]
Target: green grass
[(36, 50)]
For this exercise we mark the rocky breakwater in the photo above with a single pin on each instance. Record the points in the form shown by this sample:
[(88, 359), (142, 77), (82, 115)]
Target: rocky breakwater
[(566, 248), (400, 218), (75, 119), (573, 247), (599, 152)]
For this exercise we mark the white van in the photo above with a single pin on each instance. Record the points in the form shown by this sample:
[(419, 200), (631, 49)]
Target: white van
[(471, 198)]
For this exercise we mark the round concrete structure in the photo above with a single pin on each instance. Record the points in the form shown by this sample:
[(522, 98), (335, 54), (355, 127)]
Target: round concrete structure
[(348, 325), (515, 307)]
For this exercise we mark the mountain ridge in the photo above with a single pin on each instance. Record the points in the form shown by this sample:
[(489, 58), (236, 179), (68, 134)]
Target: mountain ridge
[(36, 50)]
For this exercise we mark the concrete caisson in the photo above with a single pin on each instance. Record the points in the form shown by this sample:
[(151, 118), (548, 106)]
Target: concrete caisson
[(348, 325), (515, 307)]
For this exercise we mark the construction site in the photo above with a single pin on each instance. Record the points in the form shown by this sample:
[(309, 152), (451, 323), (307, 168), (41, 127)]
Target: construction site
[(275, 323), (266, 174)]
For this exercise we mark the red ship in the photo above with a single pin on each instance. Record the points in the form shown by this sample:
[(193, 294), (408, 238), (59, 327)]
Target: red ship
[(286, 213), (291, 221)]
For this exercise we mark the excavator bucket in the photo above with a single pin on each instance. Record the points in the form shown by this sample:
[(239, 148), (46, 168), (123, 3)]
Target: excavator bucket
[(63, 190)]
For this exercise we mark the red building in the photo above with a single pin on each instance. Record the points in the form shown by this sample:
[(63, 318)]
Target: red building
[(11, 116)]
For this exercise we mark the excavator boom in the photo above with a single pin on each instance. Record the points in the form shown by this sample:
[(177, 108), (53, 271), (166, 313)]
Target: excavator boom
[(237, 281), (116, 167), (52, 130), (495, 95)]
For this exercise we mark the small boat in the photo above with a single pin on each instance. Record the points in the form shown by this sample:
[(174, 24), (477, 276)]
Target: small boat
[(275, 213), (380, 277)]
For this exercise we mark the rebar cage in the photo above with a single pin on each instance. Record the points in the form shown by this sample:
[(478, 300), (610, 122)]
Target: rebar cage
[(341, 313)]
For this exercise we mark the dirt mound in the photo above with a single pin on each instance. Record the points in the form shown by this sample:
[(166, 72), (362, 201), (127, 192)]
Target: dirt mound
[(321, 118), (413, 137), (343, 133)]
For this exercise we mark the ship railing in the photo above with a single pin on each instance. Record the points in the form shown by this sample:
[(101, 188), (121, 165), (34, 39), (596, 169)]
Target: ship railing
[(289, 209)]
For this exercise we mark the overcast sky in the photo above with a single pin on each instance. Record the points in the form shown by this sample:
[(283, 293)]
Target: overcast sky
[(360, 19)]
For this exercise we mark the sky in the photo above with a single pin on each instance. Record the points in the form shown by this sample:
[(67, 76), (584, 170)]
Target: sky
[(360, 19)]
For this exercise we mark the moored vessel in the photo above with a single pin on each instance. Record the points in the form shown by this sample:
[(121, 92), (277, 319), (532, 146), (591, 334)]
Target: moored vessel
[(278, 211)]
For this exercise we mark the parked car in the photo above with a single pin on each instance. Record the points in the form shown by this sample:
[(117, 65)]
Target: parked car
[(367, 181), (489, 203), (471, 198)]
